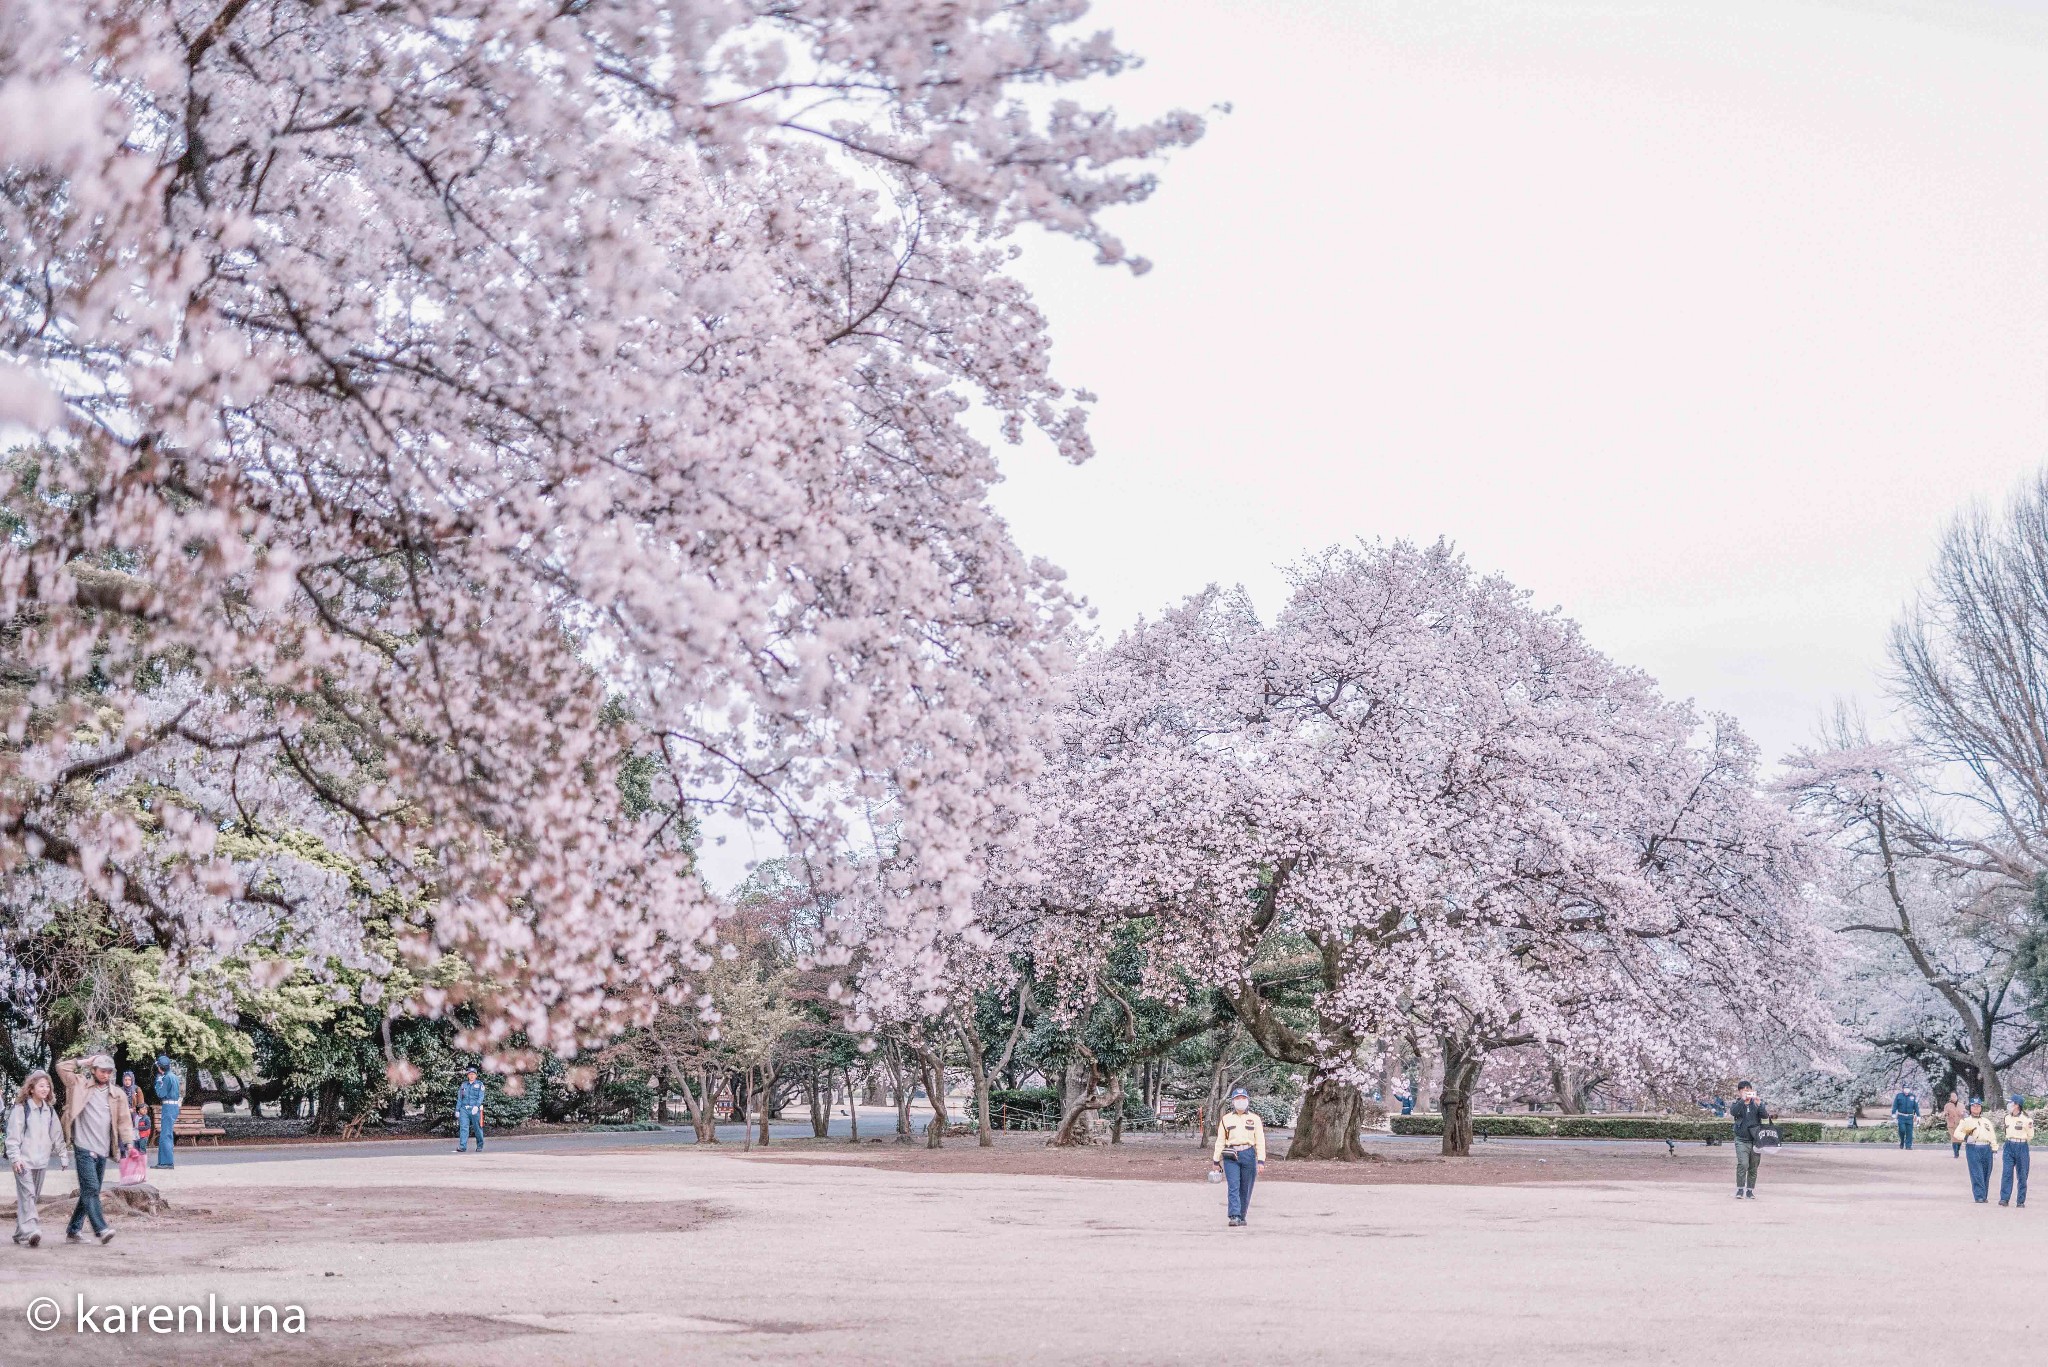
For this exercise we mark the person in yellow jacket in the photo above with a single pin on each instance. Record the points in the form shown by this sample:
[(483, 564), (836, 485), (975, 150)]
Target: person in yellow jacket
[(1240, 1143), (2019, 1152), (1978, 1134)]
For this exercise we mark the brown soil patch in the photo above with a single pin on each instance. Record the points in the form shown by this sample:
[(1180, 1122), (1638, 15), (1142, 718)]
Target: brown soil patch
[(1152, 1158), (220, 1229)]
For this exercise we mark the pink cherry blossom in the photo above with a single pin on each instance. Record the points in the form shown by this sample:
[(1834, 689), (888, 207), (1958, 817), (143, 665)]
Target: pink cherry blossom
[(1439, 809), (435, 406)]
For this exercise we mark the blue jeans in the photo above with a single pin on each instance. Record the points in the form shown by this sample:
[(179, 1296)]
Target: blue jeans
[(91, 1168), (167, 1120), (465, 1122), (1240, 1170), (2018, 1158), (1905, 1132), (1980, 1169)]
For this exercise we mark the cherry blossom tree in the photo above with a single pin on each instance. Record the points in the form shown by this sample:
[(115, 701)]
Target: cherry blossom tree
[(433, 410), (1951, 932), (1943, 828), (1435, 806)]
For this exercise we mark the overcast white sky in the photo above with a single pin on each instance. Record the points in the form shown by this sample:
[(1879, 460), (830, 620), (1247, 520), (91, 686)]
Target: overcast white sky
[(1698, 320)]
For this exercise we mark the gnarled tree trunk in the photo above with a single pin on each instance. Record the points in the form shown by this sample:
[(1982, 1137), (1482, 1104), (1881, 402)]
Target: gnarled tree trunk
[(933, 1064), (1332, 1113), (1078, 1125), (1461, 1073)]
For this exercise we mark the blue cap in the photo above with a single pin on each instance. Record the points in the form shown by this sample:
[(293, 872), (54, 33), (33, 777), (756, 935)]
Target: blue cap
[(2018, 1101), (1240, 1092), (163, 1061), (1976, 1101)]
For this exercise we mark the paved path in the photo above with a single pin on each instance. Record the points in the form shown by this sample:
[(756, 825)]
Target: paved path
[(1843, 1258)]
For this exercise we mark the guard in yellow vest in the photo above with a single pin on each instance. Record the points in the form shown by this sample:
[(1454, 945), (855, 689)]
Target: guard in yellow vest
[(1978, 1134), (2019, 1150), (1240, 1143)]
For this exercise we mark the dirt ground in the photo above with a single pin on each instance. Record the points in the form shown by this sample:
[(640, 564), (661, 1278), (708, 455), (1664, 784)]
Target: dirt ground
[(617, 1255), (1156, 1158)]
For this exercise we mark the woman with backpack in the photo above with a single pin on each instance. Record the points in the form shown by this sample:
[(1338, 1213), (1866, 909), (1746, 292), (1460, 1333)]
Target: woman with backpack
[(35, 1143)]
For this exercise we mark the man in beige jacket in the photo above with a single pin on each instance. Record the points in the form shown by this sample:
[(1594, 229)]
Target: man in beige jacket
[(100, 1128)]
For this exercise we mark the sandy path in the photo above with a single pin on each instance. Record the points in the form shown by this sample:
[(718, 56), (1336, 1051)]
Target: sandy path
[(778, 1261)]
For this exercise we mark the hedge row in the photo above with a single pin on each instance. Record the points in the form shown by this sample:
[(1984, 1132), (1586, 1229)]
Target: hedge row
[(1883, 1132), (1600, 1127)]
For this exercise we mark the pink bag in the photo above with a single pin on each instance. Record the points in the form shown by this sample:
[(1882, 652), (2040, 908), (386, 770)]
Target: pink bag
[(132, 1168)]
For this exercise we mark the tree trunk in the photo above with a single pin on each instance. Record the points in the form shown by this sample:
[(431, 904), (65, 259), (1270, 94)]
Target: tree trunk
[(977, 1064), (1987, 1083), (934, 1066), (703, 1113), (327, 1116), (899, 1080), (1077, 1126), (1461, 1067), (1573, 1089), (767, 1090), (1332, 1114), (1212, 1109), (852, 1108), (821, 1103)]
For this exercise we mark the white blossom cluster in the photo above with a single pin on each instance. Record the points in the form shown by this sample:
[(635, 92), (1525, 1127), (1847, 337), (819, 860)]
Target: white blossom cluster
[(462, 398)]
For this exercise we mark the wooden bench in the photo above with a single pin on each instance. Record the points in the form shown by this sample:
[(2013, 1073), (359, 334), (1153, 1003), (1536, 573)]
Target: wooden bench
[(196, 1132)]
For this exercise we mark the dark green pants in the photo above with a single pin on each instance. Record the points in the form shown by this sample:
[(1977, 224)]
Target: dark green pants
[(1745, 1165)]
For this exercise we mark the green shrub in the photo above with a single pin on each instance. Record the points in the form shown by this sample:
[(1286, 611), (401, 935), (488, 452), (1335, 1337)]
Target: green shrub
[(1881, 1133), (1024, 1108), (1493, 1126), (1602, 1127)]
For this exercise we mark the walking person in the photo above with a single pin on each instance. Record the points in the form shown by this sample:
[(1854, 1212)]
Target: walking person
[(169, 1093), (1749, 1115), (1952, 1116), (2019, 1150), (35, 1143), (1240, 1152), (97, 1123), (1978, 1136), (1906, 1112), (469, 1113)]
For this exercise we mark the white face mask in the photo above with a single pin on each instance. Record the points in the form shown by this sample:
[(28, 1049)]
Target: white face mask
[(1240, 1104)]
